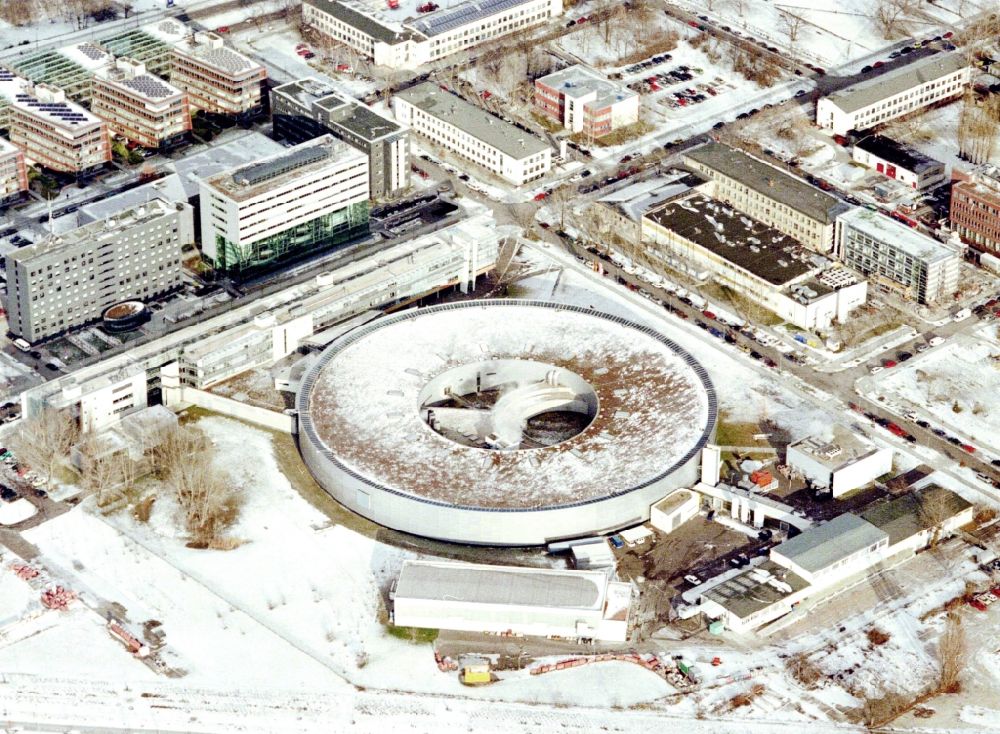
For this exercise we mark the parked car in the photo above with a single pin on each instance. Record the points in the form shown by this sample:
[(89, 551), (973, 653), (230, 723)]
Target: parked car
[(617, 542), (692, 579)]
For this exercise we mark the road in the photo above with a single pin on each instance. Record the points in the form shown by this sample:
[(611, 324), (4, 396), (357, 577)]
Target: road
[(841, 385)]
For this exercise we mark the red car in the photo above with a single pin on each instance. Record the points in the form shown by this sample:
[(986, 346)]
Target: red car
[(968, 449), (582, 19), (889, 363), (976, 604), (949, 34), (708, 315), (486, 94), (995, 591), (222, 29), (895, 430), (878, 64), (540, 196)]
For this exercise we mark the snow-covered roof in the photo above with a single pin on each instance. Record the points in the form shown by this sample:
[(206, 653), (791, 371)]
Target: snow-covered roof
[(868, 92), (581, 81), (656, 405)]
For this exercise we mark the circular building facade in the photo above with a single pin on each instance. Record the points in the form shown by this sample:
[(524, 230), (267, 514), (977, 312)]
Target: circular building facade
[(504, 422)]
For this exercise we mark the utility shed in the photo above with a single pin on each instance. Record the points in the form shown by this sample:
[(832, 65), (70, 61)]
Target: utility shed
[(511, 600), (826, 553)]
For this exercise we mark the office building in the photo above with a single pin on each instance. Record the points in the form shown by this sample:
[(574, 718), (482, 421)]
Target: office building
[(899, 92), (768, 194), (217, 79), (13, 174), (55, 133), (472, 133), (401, 34), (706, 238), (897, 257), (975, 209), (307, 108), (67, 280), (140, 107), (582, 100), (898, 161), (307, 198)]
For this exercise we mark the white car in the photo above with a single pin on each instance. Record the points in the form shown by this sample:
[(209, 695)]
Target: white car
[(935, 341), (910, 415), (876, 369)]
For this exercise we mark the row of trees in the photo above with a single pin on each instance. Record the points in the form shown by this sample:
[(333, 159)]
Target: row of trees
[(26, 12)]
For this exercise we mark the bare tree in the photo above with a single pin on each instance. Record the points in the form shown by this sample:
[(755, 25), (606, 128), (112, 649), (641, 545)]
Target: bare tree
[(792, 24), (935, 509), (977, 127), (20, 12), (889, 15), (507, 268), (45, 440), (562, 198), (953, 655)]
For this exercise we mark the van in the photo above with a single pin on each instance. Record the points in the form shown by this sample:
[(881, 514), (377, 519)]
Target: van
[(22, 345)]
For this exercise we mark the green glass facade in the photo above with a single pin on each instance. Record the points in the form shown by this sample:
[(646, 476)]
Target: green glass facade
[(316, 234)]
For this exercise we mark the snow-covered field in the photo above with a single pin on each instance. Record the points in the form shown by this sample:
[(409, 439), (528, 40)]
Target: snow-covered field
[(16, 511), (833, 34), (956, 385)]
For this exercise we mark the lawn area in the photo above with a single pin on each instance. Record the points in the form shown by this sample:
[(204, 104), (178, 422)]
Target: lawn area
[(735, 433), (417, 635)]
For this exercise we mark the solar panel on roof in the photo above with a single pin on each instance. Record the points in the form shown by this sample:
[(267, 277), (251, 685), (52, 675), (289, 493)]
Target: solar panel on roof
[(258, 172)]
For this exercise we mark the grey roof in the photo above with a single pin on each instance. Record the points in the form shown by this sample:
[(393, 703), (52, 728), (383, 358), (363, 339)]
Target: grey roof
[(911, 513), (364, 23), (636, 199), (579, 80), (433, 100), (223, 157), (448, 19), (752, 246), (512, 586), (744, 594), (898, 154), (870, 91), (904, 238), (767, 180), (168, 188), (821, 546)]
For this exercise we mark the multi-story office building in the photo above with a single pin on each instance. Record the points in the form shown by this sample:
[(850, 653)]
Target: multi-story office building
[(975, 209), (139, 106), (400, 36), (67, 280), (899, 258), (768, 194), (307, 108), (216, 78), (583, 100), (472, 133), (307, 198), (899, 161), (879, 99), (13, 174), (704, 237), (56, 133)]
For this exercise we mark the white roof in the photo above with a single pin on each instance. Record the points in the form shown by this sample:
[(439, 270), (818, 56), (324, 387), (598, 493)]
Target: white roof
[(636, 534)]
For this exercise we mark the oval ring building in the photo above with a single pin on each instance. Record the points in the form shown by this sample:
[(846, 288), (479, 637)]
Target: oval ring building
[(504, 422)]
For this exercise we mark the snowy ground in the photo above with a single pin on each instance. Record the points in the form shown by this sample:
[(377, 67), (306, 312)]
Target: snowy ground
[(955, 385), (16, 511), (833, 34), (935, 133)]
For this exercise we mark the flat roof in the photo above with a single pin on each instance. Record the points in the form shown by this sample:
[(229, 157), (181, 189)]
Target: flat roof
[(267, 173), (448, 19), (580, 80), (357, 18), (63, 113), (898, 154), (866, 93), (821, 546), (914, 512), (673, 500), (168, 188), (217, 158), (835, 450), (506, 585), (767, 180), (93, 230), (477, 122), (210, 49), (883, 228), (636, 199), (750, 245), (755, 589)]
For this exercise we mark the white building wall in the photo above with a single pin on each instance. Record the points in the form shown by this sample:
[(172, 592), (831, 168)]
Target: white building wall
[(108, 405), (625, 112), (838, 571), (862, 471), (667, 522)]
